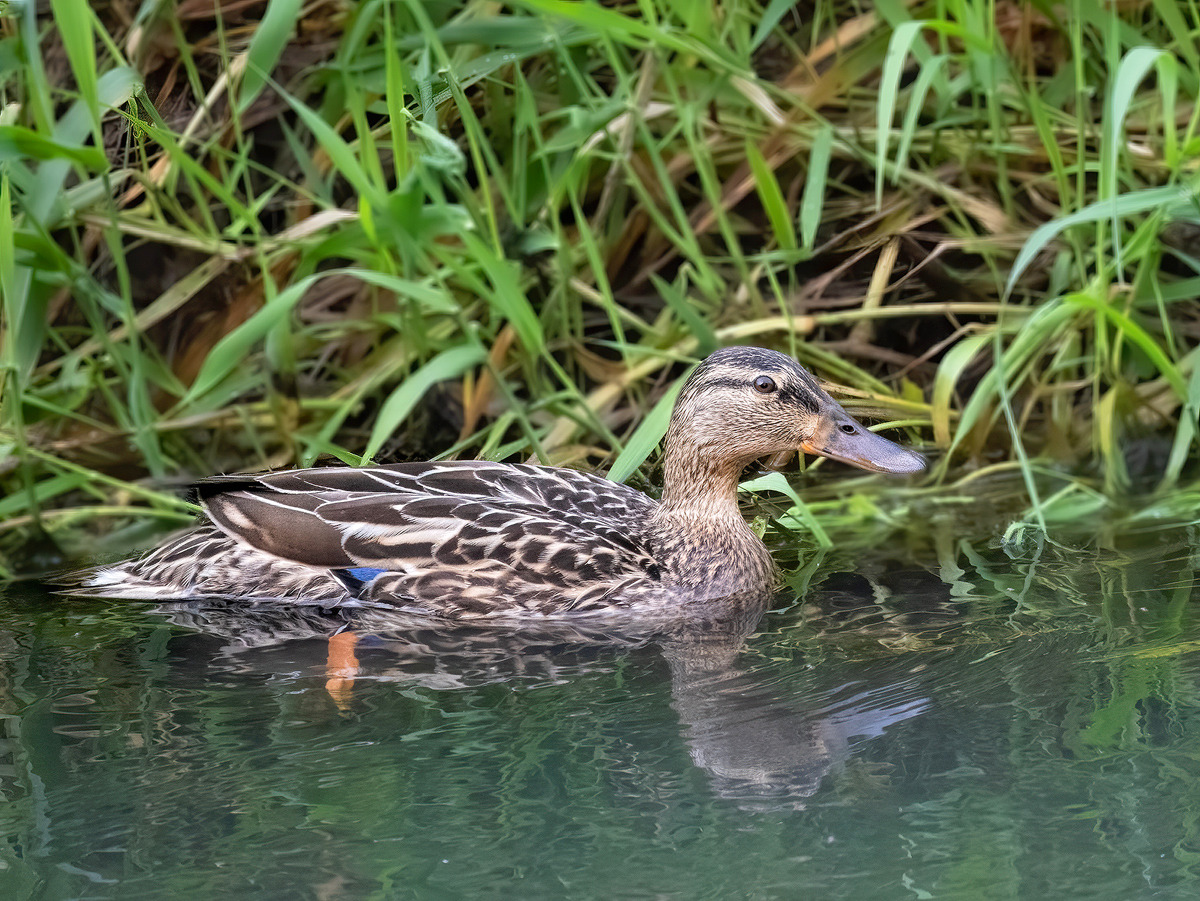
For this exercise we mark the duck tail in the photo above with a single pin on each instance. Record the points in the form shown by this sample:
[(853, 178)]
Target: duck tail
[(119, 580)]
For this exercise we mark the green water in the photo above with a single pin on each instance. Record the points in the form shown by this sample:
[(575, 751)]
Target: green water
[(978, 725)]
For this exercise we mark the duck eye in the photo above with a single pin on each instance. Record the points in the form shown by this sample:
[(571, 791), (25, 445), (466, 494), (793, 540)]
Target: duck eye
[(764, 384)]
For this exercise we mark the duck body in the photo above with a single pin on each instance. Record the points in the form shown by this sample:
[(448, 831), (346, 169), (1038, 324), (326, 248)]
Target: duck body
[(467, 540), (450, 538)]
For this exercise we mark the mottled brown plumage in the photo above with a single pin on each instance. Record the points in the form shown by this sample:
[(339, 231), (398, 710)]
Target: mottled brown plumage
[(473, 539)]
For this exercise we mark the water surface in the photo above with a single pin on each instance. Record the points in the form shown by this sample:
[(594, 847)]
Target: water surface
[(973, 725)]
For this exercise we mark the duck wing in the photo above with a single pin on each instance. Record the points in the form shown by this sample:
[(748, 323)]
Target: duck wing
[(460, 538)]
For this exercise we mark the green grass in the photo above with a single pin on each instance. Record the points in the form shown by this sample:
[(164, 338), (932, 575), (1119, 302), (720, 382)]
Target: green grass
[(391, 229)]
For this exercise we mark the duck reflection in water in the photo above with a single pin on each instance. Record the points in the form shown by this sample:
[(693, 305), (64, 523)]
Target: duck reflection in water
[(764, 742)]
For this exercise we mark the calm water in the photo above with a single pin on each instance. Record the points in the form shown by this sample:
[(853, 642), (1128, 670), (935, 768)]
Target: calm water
[(977, 726)]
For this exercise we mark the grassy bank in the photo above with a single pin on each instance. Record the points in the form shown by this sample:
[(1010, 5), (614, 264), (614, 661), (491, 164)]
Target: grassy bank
[(246, 235)]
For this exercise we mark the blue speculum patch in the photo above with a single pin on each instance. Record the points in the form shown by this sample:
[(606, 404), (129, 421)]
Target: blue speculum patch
[(363, 574)]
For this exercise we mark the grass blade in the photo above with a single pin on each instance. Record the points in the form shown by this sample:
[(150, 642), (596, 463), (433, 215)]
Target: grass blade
[(445, 366), (267, 46)]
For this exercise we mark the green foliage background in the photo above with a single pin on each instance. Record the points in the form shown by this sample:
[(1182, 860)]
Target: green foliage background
[(246, 235)]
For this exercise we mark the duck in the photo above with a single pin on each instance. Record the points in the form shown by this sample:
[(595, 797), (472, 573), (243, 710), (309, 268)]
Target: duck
[(471, 540)]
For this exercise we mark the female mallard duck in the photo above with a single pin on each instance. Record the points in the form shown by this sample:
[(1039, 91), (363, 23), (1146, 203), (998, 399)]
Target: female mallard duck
[(471, 539)]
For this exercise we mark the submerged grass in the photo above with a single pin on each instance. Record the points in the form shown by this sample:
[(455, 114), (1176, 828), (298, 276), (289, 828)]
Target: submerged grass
[(248, 235)]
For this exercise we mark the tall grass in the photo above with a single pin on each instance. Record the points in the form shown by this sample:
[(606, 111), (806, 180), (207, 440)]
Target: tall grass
[(247, 237)]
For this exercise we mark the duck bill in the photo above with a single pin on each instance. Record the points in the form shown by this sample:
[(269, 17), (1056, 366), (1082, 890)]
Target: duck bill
[(844, 438)]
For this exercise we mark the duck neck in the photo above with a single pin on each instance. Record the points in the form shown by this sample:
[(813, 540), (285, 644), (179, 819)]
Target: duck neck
[(699, 486), (698, 532)]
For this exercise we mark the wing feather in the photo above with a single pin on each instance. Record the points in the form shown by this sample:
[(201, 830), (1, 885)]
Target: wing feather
[(459, 537)]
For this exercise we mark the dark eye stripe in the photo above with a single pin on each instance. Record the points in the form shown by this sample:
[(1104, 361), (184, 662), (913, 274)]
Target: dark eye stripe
[(804, 399)]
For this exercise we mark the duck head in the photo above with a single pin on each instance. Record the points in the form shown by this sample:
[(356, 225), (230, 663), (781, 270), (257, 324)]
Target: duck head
[(742, 403)]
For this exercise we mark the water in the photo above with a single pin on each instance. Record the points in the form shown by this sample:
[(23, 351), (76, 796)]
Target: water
[(973, 726)]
